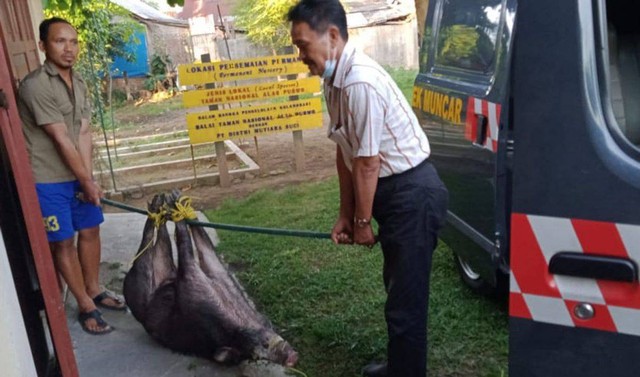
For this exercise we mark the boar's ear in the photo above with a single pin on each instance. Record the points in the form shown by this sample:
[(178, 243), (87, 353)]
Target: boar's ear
[(227, 355)]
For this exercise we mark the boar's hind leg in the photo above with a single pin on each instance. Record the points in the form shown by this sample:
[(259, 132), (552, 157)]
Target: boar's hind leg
[(213, 268), (186, 260), (138, 284), (209, 262), (163, 266)]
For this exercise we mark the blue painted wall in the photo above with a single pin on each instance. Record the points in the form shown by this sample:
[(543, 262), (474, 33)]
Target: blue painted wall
[(140, 66)]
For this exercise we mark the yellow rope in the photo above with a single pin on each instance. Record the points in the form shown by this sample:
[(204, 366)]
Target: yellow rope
[(296, 371), (141, 252), (158, 218), (183, 210)]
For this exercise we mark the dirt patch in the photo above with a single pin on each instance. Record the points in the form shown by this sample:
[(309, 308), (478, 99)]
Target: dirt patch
[(275, 158)]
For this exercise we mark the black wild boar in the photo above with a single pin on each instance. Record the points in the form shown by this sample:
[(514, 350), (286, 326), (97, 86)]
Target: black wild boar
[(154, 264), (200, 308)]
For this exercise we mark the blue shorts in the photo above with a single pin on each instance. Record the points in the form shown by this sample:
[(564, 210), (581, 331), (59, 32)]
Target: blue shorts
[(63, 213)]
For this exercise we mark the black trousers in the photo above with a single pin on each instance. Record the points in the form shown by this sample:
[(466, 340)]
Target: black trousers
[(410, 209)]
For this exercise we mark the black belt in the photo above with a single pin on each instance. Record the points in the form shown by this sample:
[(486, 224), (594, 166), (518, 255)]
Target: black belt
[(393, 177)]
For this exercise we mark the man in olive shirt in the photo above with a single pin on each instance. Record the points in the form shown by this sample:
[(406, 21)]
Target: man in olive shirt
[(54, 107)]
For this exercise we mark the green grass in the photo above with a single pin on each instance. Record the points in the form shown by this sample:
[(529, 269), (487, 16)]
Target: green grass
[(120, 126), (151, 108), (404, 78), (128, 116), (327, 300)]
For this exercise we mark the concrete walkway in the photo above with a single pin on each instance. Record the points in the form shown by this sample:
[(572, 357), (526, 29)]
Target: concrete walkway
[(129, 350)]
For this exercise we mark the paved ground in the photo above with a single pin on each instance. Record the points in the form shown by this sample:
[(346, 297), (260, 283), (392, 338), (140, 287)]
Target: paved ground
[(130, 351)]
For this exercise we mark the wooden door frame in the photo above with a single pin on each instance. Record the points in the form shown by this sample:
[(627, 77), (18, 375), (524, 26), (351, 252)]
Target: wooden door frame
[(20, 36)]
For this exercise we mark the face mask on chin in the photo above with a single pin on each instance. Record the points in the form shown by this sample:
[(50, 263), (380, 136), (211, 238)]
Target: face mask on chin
[(329, 68), (331, 63)]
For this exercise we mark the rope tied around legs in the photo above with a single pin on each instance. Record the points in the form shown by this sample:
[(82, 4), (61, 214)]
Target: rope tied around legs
[(183, 210), (158, 218)]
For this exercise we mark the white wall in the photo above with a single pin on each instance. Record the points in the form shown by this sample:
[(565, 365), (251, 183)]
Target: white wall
[(15, 352), (394, 45), (37, 15)]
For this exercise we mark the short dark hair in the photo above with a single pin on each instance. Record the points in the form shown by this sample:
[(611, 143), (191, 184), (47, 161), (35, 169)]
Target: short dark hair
[(46, 24), (319, 14)]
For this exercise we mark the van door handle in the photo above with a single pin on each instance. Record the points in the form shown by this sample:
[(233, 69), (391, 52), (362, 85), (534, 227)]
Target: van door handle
[(593, 266), (481, 132)]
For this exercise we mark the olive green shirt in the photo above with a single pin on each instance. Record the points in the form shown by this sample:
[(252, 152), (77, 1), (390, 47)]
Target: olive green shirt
[(44, 98)]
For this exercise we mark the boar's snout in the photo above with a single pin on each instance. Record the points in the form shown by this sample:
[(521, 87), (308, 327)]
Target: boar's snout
[(283, 354), (278, 351), (292, 359)]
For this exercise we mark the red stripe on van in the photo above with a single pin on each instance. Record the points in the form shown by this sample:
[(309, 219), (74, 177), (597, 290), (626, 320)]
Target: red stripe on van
[(599, 238), (471, 123), (602, 238), (517, 306), (527, 260)]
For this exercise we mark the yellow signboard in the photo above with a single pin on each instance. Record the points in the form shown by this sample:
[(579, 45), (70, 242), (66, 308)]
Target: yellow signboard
[(230, 70), (197, 98), (243, 122)]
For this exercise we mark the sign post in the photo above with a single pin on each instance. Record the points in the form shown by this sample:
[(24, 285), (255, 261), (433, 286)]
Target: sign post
[(221, 153), (298, 144), (298, 150)]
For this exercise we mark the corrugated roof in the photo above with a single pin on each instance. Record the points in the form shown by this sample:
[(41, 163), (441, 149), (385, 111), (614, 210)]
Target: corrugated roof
[(148, 13), (360, 13), (374, 12)]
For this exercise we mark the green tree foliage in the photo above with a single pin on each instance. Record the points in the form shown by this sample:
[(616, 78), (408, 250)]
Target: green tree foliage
[(265, 22), (458, 42), (159, 78), (104, 30)]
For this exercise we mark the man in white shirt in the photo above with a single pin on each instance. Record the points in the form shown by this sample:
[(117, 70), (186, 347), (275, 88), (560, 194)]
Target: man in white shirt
[(383, 173)]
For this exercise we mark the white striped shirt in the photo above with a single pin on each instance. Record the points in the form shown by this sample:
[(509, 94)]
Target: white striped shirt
[(370, 116)]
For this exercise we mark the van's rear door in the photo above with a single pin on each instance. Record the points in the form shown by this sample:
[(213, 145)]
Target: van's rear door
[(575, 223), (458, 96)]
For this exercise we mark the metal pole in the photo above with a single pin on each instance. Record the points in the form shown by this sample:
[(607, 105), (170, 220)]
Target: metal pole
[(224, 33), (113, 126), (101, 112)]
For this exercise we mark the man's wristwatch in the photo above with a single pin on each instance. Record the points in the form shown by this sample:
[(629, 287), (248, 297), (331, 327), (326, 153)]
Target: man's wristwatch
[(361, 223)]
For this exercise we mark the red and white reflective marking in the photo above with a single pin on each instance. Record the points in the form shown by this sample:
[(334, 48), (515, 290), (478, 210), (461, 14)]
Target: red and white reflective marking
[(538, 295), (479, 107)]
